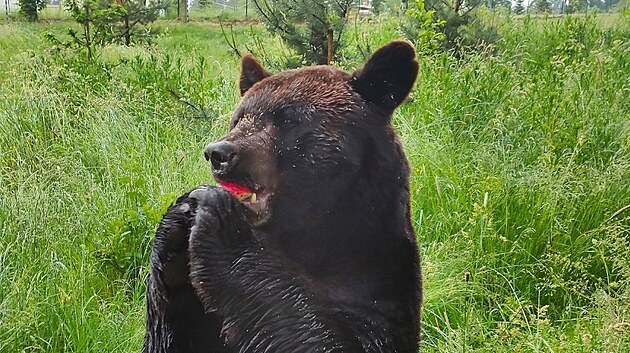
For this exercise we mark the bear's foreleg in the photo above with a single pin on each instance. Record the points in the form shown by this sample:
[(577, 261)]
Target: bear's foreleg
[(175, 320), (266, 308)]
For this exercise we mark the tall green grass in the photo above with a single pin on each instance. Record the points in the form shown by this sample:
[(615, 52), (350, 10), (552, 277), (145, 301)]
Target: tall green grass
[(520, 161), (520, 156), (90, 156)]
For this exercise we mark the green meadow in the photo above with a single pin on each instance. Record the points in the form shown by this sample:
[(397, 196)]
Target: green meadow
[(520, 158)]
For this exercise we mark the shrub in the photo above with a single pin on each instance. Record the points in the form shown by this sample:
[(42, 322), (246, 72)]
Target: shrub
[(31, 8), (105, 23)]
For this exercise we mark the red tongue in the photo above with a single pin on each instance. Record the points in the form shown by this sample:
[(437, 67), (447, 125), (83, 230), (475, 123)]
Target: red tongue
[(236, 189)]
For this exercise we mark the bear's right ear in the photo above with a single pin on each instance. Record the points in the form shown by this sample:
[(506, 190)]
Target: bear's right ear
[(388, 76), (251, 72)]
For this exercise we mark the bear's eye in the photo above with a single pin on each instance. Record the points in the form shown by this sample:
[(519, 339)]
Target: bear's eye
[(289, 117), (286, 123)]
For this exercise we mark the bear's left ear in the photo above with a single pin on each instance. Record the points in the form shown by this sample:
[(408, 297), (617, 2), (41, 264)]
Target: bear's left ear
[(251, 72), (388, 76)]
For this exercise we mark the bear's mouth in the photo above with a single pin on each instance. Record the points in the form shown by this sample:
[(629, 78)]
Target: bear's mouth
[(255, 198)]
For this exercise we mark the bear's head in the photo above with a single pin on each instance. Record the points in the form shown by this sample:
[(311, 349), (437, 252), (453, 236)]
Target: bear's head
[(314, 144)]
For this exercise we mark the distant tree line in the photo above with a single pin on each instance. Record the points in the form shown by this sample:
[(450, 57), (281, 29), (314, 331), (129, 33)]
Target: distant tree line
[(559, 6)]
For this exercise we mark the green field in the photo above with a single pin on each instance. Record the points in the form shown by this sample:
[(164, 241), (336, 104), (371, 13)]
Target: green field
[(520, 157)]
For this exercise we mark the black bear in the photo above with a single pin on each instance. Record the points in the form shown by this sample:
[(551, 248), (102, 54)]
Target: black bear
[(306, 245)]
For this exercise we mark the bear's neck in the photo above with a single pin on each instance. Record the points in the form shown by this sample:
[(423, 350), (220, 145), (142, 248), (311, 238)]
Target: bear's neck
[(363, 224)]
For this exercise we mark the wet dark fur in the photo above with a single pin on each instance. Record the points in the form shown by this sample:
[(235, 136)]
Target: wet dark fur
[(332, 266)]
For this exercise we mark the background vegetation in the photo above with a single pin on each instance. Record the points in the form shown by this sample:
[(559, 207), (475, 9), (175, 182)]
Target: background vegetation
[(520, 152)]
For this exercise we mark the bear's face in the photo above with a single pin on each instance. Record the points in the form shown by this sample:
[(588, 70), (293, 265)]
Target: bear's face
[(303, 141)]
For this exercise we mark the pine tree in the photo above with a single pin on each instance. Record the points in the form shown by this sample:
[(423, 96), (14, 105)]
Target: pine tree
[(518, 7), (136, 13), (31, 8), (313, 28), (543, 6)]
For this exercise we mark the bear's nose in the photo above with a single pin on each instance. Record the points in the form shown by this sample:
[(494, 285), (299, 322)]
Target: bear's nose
[(221, 154)]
